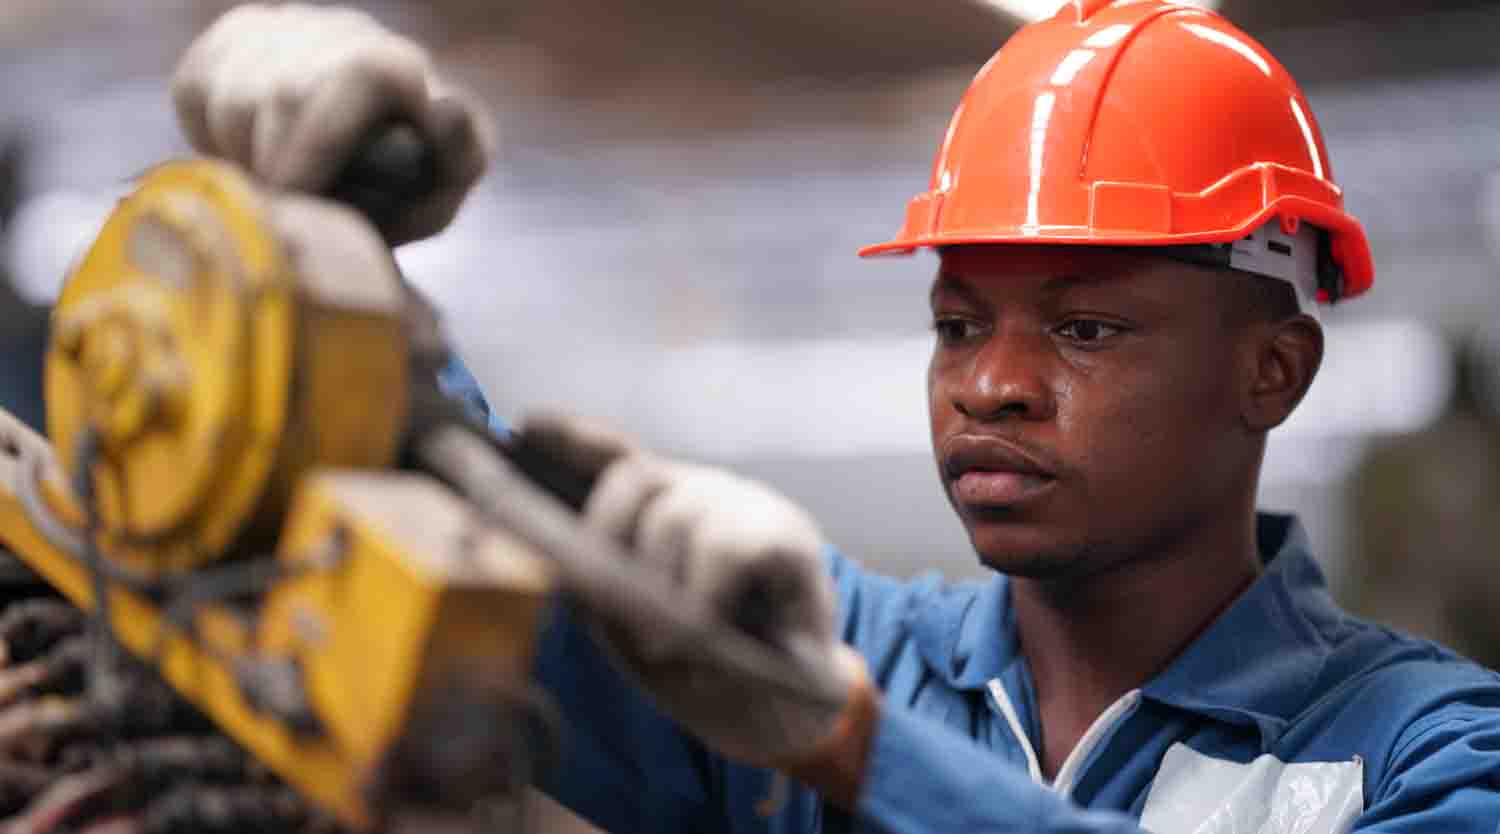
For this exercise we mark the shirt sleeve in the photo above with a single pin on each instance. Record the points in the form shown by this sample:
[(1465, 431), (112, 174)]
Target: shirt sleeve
[(924, 777), (621, 764), (1445, 776), (455, 380)]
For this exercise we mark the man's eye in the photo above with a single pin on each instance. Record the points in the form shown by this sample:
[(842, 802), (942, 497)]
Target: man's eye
[(1087, 331), (954, 331)]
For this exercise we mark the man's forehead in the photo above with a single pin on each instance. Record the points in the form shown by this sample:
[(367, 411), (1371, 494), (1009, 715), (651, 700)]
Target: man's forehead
[(1040, 259), (966, 269)]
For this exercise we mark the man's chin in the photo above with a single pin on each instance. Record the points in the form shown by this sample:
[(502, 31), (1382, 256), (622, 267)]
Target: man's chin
[(1024, 550)]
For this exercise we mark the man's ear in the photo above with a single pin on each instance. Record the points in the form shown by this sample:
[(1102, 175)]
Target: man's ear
[(1287, 355)]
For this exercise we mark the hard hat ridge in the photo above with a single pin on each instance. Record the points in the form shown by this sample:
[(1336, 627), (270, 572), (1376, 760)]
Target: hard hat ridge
[(1134, 123), (1082, 10)]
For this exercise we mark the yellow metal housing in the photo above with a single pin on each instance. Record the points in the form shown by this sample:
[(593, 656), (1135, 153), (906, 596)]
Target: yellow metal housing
[(242, 397), (216, 366), (392, 592)]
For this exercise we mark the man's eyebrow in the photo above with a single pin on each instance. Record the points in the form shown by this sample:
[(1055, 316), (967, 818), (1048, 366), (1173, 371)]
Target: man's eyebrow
[(952, 282)]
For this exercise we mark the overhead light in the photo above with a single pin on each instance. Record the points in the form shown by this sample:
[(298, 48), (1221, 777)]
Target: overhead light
[(1034, 10)]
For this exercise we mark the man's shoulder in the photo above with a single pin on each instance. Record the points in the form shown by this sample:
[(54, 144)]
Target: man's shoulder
[(1381, 690), (1323, 666), (1364, 650)]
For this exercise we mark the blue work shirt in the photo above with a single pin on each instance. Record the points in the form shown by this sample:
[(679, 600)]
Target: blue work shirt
[(455, 381), (1285, 715)]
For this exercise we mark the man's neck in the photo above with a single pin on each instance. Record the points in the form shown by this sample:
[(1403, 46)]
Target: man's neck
[(1090, 641)]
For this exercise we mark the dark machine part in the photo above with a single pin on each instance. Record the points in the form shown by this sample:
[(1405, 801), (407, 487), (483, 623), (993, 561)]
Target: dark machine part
[(193, 809), (481, 740), (145, 762)]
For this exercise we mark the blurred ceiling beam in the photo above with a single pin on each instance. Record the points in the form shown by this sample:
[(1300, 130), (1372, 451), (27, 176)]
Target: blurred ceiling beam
[(600, 45), (596, 71), (613, 40), (1266, 15)]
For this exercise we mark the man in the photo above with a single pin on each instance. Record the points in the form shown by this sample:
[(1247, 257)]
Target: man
[(1136, 218)]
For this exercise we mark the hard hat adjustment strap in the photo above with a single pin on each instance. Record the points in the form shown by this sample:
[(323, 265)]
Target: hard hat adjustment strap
[(1303, 259)]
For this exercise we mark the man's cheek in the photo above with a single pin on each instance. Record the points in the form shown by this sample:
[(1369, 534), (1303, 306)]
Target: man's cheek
[(1127, 444)]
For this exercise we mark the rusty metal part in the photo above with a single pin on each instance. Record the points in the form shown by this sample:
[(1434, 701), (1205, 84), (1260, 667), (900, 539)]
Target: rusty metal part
[(30, 725), (473, 742), (20, 783), (30, 627), (60, 670), (16, 574), (71, 762), (194, 809), (64, 802), (154, 764), (276, 687), (121, 824)]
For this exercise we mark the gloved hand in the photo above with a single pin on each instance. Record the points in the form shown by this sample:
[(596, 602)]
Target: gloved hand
[(291, 91), (757, 559)]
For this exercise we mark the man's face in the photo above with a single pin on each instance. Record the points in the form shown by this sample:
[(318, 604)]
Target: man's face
[(1084, 403)]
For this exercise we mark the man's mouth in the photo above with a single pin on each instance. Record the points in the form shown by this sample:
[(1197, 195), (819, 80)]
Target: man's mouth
[(992, 473), (987, 489)]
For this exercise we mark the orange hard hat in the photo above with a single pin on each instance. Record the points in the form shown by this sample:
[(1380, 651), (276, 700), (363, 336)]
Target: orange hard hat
[(1135, 123)]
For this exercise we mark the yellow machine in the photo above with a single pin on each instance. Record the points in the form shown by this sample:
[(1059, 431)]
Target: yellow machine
[(257, 489), (214, 398)]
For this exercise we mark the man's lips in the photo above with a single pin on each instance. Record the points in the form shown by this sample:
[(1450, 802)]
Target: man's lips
[(990, 472), (993, 490)]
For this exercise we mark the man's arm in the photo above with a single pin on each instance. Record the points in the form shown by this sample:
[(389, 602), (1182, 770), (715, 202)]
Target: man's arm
[(1444, 775), (924, 777), (621, 765)]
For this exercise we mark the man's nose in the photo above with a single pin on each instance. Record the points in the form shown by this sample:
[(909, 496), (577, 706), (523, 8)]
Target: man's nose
[(1006, 379)]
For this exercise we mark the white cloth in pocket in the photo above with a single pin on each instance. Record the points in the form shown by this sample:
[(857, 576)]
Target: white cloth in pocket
[(1198, 794)]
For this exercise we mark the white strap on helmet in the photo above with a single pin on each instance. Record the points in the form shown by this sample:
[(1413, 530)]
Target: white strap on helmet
[(1270, 252)]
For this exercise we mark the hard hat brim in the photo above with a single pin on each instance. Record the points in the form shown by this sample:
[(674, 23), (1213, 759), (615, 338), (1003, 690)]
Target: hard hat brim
[(1351, 248)]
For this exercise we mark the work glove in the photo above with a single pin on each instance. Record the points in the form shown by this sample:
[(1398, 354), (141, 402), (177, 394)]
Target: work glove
[(757, 559), (292, 92)]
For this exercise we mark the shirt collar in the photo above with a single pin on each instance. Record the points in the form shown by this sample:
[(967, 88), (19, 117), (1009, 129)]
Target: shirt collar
[(1255, 665)]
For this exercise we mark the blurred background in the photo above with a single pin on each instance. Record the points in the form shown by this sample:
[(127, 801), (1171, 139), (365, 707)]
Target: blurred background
[(667, 242)]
